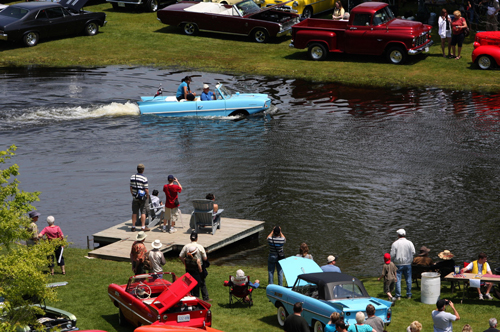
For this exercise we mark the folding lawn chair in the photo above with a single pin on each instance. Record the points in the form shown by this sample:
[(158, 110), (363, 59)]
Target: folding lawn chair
[(240, 291)]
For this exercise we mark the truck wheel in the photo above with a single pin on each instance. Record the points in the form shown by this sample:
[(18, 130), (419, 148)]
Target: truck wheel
[(484, 62), (317, 52), (396, 55), (308, 12), (151, 5), (190, 29), (260, 35)]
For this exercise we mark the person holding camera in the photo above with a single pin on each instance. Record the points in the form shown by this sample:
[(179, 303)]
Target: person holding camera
[(443, 320), (140, 197), (276, 241), (171, 190)]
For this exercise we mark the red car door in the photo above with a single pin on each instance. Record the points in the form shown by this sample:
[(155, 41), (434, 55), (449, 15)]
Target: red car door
[(358, 34)]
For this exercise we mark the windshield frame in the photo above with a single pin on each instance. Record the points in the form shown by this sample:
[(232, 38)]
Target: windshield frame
[(386, 15), (247, 7)]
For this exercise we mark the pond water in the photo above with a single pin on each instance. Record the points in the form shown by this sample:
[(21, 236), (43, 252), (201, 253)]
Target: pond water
[(339, 168)]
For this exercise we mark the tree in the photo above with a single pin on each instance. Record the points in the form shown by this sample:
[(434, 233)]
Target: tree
[(22, 281)]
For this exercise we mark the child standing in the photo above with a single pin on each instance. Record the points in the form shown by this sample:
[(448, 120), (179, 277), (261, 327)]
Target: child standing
[(389, 274)]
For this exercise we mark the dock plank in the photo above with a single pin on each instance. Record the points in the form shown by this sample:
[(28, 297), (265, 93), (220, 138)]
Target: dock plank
[(117, 240)]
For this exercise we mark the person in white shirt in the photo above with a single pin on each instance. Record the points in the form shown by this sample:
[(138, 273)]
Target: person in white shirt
[(402, 251), (480, 267), (442, 319)]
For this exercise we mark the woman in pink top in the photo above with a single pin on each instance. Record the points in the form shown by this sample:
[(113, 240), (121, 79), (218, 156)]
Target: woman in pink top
[(54, 232)]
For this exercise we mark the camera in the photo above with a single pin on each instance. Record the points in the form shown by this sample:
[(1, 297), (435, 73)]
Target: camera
[(446, 302)]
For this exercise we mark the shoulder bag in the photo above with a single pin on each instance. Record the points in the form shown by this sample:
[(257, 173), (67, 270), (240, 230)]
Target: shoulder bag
[(466, 30)]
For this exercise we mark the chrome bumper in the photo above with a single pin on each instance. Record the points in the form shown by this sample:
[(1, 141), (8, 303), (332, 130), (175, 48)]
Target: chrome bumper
[(284, 32), (420, 49)]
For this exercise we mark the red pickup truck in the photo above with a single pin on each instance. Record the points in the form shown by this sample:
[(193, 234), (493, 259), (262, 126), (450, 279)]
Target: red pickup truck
[(371, 29)]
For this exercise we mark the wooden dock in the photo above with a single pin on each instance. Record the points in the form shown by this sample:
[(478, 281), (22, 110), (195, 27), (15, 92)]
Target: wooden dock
[(116, 242)]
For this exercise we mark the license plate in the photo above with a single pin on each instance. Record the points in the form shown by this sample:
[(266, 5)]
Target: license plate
[(183, 318), (121, 4), (427, 49)]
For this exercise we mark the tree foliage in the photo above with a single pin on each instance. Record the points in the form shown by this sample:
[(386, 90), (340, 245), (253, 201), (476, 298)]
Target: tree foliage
[(22, 282)]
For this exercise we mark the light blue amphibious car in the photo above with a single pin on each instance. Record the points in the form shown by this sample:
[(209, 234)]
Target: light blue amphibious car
[(227, 104), (321, 294)]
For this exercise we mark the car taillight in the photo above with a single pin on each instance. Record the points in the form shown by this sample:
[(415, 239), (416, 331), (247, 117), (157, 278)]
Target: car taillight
[(388, 315), (209, 318)]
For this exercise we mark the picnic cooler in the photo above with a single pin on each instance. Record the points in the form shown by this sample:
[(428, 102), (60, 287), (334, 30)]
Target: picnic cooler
[(430, 287)]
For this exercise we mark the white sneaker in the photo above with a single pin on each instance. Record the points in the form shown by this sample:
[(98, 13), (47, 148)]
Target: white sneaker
[(481, 296), (164, 229), (172, 230), (488, 296)]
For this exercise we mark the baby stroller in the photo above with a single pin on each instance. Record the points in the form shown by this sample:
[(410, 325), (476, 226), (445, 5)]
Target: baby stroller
[(239, 290)]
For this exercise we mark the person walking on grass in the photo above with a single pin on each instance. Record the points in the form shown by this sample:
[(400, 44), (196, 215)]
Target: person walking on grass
[(52, 232)]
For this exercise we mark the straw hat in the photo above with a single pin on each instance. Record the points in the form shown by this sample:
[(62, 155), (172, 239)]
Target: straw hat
[(140, 236), (446, 255), (330, 258), (156, 244)]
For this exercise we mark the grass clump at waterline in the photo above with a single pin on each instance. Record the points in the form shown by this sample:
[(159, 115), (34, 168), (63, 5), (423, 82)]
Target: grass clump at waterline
[(88, 280), (139, 39)]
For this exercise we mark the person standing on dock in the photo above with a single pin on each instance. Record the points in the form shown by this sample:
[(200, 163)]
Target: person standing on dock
[(171, 191), (402, 251), (140, 197)]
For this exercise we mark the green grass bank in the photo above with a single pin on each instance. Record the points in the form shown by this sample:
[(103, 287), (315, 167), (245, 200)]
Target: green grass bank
[(88, 279), (139, 39)]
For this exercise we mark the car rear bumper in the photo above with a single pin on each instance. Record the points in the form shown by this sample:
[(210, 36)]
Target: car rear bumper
[(419, 49)]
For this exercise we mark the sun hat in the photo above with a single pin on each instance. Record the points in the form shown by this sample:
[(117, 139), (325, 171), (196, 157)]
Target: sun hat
[(424, 250), (50, 219), (330, 258), (387, 258), (206, 86), (156, 244), (34, 214), (401, 232), (141, 236), (446, 255), (192, 250), (240, 274), (170, 177)]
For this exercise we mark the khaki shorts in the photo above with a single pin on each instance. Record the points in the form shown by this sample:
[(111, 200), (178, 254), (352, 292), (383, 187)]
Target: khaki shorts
[(172, 214)]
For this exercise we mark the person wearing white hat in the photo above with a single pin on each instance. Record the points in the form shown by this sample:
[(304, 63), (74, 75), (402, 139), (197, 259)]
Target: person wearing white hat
[(138, 253), (54, 232), (156, 257), (207, 94), (331, 267), (402, 251), (192, 263)]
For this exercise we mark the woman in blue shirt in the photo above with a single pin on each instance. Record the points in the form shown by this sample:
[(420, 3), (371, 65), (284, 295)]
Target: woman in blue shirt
[(183, 91)]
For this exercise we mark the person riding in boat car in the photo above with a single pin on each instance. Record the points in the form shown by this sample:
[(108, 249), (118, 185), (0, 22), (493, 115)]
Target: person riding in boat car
[(184, 91), (207, 94)]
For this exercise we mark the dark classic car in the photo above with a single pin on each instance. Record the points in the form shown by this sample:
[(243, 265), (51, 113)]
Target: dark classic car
[(244, 18), (147, 5), (30, 21)]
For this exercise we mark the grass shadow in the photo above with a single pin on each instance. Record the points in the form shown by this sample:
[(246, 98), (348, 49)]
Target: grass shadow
[(113, 321), (269, 320)]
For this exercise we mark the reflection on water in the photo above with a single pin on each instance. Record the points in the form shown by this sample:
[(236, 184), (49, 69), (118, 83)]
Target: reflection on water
[(339, 168)]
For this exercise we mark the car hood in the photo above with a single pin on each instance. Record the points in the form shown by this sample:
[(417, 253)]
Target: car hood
[(294, 266), (73, 4), (405, 24), (174, 293)]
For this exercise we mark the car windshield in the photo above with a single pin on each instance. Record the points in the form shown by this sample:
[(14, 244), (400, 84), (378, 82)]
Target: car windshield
[(247, 7), (13, 11), (346, 291), (221, 90), (382, 16), (152, 280)]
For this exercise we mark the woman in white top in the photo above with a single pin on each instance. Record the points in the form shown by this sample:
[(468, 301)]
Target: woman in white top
[(338, 12), (444, 31)]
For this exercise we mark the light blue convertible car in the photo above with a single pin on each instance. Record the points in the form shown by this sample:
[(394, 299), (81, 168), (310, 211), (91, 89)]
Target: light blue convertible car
[(322, 293), (227, 104)]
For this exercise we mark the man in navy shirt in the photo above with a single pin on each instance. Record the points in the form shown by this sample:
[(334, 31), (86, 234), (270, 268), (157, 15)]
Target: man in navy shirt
[(207, 94), (331, 267)]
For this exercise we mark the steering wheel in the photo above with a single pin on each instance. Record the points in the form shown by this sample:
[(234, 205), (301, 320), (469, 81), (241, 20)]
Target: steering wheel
[(143, 291)]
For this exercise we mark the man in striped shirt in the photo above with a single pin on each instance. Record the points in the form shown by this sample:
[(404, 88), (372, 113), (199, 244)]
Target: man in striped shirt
[(139, 182)]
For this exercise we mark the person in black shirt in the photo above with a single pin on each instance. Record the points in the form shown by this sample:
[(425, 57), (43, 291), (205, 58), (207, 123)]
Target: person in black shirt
[(493, 325), (295, 322)]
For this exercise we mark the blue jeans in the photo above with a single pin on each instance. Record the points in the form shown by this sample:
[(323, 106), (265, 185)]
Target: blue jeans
[(272, 264), (406, 271)]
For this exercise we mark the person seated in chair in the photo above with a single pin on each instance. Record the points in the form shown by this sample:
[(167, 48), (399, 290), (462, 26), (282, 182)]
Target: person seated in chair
[(212, 198), (480, 266), (157, 205), (240, 280), (423, 258), (447, 264)]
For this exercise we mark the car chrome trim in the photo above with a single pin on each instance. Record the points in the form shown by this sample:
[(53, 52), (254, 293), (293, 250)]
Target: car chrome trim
[(127, 2), (420, 48), (125, 307), (313, 312)]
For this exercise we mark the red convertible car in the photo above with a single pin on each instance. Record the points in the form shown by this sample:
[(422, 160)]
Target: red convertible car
[(244, 18), (168, 328), (149, 299), (486, 54)]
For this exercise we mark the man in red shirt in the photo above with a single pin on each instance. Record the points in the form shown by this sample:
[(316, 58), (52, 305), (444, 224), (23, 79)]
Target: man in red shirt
[(171, 191)]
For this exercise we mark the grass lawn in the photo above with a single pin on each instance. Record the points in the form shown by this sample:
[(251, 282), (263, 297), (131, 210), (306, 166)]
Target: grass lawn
[(88, 279), (139, 39)]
